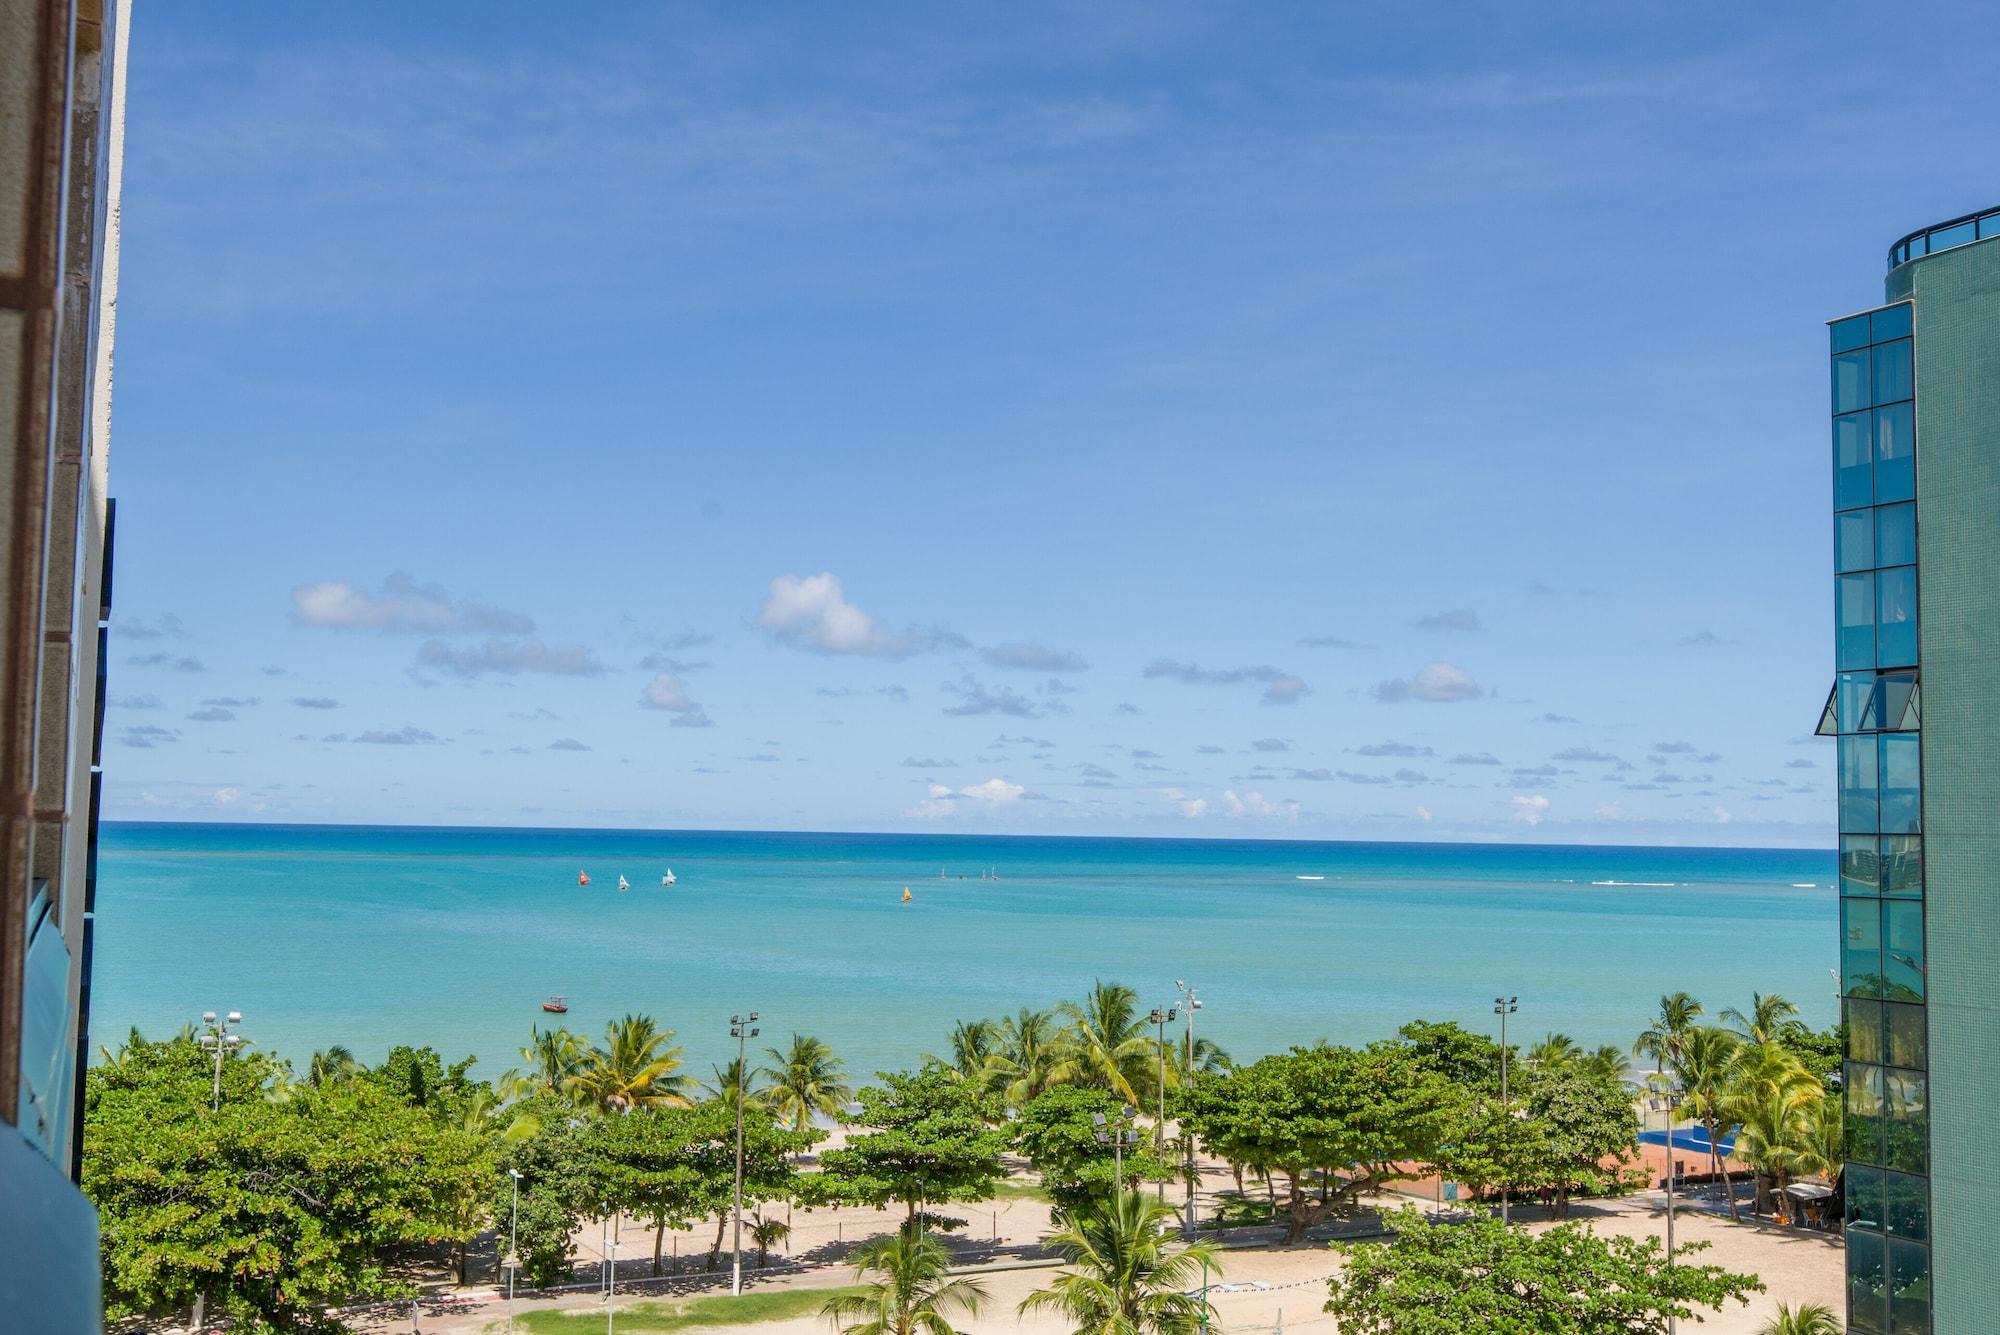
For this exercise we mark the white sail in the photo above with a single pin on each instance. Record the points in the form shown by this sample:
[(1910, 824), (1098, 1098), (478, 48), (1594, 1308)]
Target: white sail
[(623, 885), (668, 879)]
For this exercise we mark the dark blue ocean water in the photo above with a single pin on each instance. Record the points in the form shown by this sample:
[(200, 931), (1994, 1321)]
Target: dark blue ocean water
[(370, 936)]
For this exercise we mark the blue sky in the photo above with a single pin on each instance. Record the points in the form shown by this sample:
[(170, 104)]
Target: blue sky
[(1366, 421)]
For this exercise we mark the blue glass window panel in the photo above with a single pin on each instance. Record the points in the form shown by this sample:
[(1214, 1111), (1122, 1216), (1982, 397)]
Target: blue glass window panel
[(1895, 454), (1901, 775), (1889, 322), (1989, 226), (1863, 1020), (1857, 706), (1890, 709), (1905, 1122), (1853, 460), (1865, 1207), (1900, 255), (1909, 1288), (1896, 622), (1861, 947), (1895, 535), (1860, 865), (1894, 379), (1854, 541), (1849, 334), (1903, 1035), (1854, 622), (1906, 1206), (1947, 237), (1862, 1089), (1902, 950), (1903, 866), (1851, 388), (1867, 1283), (1860, 812)]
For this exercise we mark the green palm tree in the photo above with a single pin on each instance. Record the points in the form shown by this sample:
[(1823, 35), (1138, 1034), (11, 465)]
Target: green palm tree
[(551, 1058), (1112, 1049), (1030, 1054), (331, 1065), (730, 1082), (972, 1044), (915, 1294), (1823, 1148), (1122, 1279), (634, 1069), (1773, 1103), (1663, 1038), (1210, 1058), (1556, 1052), (806, 1079), (1767, 1020), (1806, 1319), (767, 1232), (1705, 1065)]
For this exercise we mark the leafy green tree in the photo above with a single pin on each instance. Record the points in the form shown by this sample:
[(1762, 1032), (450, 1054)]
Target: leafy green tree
[(1056, 1132), (1582, 1119), (269, 1209), (332, 1064), (636, 1068), (1776, 1103), (1438, 1279), (915, 1294), (1820, 1051), (805, 1079), (1124, 1277), (1470, 1061), (561, 1179), (1109, 1044), (926, 1136), (1327, 1111), (419, 1078)]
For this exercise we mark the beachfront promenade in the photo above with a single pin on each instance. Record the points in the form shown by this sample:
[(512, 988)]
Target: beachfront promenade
[(1264, 1286)]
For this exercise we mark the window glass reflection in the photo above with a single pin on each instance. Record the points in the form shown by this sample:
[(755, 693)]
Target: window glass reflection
[(1889, 322), (1867, 1286), (1863, 1021), (1859, 810), (1902, 950), (1891, 703), (1853, 461), (1905, 1122), (1895, 535), (1860, 867), (1903, 866), (1851, 384), (1909, 1288), (1863, 1086), (1947, 237), (1901, 784), (1854, 541), (1854, 621), (1849, 334), (1895, 453), (1891, 365), (1903, 1033), (1896, 624), (1857, 704), (1861, 947), (1865, 1207)]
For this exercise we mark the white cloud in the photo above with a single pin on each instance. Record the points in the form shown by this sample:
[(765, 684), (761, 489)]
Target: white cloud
[(1424, 815), (813, 613), (1256, 804), (668, 694), (509, 657), (401, 606), (994, 790), (1529, 809), (1611, 811), (1194, 808), (941, 800), (1438, 683), (1720, 816)]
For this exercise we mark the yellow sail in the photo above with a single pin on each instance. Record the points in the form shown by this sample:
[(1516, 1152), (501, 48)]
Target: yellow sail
[(907, 896)]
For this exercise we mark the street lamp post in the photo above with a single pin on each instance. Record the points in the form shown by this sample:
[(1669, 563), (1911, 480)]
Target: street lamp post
[(513, 1243), (1504, 1007), (742, 1029), (217, 1039), (1189, 1005), (1161, 1019), (1673, 1099)]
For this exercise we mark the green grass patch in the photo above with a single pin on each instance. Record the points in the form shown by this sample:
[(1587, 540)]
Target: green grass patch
[(654, 1318), (1017, 1189)]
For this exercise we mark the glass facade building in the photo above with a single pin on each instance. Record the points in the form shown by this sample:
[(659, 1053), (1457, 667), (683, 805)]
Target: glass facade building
[(1915, 445)]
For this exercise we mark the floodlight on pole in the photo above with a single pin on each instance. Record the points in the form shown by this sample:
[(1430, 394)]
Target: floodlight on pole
[(1189, 1005), (216, 1038), (1160, 1020), (742, 1028), (1504, 1007)]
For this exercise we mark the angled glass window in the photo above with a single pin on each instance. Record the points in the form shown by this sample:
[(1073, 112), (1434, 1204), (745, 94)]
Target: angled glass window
[(1893, 378), (1863, 1020), (1896, 622), (1895, 453), (1901, 776), (1860, 866), (1851, 385), (1905, 1122), (1863, 1086), (1861, 947), (1854, 541), (1854, 621), (1903, 1035), (1867, 1283), (1889, 322), (1909, 1288), (1853, 460), (1895, 535), (1902, 950), (1895, 702), (1849, 334), (1903, 866), (1860, 810)]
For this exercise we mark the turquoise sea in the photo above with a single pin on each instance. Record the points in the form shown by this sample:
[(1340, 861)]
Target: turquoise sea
[(453, 937)]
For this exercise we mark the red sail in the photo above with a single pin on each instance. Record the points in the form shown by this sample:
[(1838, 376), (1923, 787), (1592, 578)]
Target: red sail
[(583, 878)]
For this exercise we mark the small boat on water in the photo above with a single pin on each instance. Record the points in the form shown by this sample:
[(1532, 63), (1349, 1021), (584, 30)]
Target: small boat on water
[(669, 878), (623, 885), (556, 1005), (907, 896), (583, 878)]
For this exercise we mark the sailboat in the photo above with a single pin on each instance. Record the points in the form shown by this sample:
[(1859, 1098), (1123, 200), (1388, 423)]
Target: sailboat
[(583, 878), (907, 896), (623, 885), (668, 879)]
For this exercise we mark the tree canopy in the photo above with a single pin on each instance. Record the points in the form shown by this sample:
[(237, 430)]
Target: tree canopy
[(923, 1136)]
